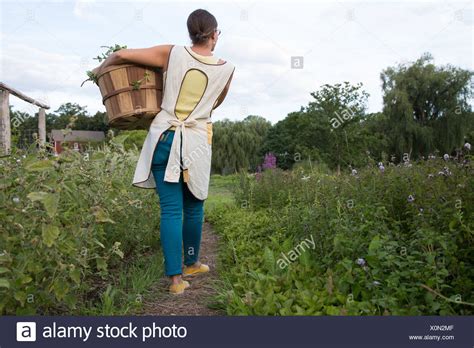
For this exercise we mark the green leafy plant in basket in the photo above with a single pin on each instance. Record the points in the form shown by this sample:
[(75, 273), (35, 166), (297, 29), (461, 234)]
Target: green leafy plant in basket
[(92, 76)]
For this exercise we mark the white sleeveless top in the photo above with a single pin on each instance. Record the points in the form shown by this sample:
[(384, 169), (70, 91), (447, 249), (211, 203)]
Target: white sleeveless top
[(197, 145)]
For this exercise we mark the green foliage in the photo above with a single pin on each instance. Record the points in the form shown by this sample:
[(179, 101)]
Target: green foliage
[(382, 239), (133, 139), (68, 224), (427, 106), (333, 129), (237, 145)]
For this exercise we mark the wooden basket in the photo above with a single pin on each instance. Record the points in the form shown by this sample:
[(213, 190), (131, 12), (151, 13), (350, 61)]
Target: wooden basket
[(131, 94)]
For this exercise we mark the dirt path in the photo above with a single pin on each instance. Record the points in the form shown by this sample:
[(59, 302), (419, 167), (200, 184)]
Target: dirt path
[(195, 299)]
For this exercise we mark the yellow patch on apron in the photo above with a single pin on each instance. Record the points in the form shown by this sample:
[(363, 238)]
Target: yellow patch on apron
[(209, 133)]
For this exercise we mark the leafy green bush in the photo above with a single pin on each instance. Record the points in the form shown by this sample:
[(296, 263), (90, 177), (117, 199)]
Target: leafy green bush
[(68, 223), (392, 241)]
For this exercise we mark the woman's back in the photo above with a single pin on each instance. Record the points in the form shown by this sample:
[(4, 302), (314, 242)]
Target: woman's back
[(193, 85), (193, 82)]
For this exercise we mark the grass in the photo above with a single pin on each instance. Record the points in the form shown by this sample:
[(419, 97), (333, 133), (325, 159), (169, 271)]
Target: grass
[(127, 292), (220, 191)]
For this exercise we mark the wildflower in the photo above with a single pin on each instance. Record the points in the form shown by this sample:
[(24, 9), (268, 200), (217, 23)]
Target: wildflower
[(411, 198), (446, 157), (376, 283), (360, 262), (16, 200), (467, 146), (431, 157), (18, 161), (269, 161), (441, 173), (305, 178), (354, 172), (421, 210), (447, 171), (382, 168), (430, 176)]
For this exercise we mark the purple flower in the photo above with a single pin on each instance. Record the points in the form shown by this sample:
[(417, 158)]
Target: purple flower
[(446, 157), (270, 161), (360, 262)]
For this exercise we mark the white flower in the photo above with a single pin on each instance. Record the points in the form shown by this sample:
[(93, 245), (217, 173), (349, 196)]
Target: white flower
[(380, 164), (446, 157), (354, 172), (16, 200), (411, 198), (430, 176), (376, 283), (360, 262), (467, 146), (305, 178)]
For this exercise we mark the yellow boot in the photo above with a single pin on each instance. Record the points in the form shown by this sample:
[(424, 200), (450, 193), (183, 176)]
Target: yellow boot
[(192, 270), (177, 289)]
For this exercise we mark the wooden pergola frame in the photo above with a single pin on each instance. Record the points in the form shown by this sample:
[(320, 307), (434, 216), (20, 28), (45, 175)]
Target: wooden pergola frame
[(5, 123)]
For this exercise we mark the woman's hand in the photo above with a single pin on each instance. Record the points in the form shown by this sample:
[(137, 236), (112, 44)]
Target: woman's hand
[(97, 70)]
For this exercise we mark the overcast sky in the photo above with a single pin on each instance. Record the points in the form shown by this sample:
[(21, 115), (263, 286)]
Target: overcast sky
[(47, 46)]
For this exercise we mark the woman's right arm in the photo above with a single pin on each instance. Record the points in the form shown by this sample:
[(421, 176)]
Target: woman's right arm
[(156, 56)]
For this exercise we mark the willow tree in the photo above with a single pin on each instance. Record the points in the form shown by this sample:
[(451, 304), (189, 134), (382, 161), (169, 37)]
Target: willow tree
[(427, 106), (236, 144)]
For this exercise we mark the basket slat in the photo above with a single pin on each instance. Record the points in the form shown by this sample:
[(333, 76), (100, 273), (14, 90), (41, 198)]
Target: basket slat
[(129, 108)]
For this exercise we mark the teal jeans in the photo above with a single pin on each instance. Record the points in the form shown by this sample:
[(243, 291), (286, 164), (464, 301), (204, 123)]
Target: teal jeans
[(182, 214)]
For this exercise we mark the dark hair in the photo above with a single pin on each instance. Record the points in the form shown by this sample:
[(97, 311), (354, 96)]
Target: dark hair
[(201, 26)]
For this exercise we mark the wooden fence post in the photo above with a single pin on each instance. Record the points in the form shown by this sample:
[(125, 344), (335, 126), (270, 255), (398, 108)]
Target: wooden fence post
[(42, 127), (5, 130)]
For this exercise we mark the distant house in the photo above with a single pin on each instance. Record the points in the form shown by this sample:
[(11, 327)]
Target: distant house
[(76, 139)]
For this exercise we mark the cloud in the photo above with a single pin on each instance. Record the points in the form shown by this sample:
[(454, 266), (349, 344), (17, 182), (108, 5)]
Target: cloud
[(344, 41)]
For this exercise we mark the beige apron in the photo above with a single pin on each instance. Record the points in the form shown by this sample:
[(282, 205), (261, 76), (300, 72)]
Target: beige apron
[(195, 130)]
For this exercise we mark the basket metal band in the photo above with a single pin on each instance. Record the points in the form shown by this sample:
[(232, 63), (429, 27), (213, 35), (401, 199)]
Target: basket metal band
[(126, 89)]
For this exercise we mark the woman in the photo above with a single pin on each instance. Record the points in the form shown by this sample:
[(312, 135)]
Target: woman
[(178, 146)]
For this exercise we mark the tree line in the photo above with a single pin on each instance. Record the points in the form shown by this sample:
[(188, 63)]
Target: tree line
[(426, 111)]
